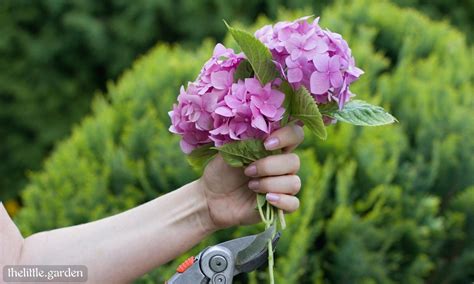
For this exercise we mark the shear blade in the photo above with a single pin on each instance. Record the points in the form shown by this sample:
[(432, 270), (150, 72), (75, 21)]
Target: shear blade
[(256, 250)]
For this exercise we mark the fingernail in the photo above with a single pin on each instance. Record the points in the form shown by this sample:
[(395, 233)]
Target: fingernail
[(253, 184), (251, 171), (272, 197), (271, 143)]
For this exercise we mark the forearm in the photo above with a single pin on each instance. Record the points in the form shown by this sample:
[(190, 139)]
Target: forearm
[(123, 247)]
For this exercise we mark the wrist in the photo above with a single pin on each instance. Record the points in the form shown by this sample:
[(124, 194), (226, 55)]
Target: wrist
[(205, 217)]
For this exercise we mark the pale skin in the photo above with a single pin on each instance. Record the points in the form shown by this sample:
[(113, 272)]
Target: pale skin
[(123, 247)]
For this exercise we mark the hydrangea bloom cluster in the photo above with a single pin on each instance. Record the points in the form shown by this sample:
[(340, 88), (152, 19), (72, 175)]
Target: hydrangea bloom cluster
[(215, 109), (318, 59)]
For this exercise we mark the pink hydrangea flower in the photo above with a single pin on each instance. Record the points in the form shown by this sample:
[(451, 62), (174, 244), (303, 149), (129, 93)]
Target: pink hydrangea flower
[(193, 116), (318, 59), (214, 109), (248, 111), (327, 74), (217, 74)]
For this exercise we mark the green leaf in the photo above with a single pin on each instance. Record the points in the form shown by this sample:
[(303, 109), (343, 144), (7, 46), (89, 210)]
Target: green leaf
[(242, 153), (244, 70), (328, 109), (199, 157), (362, 113), (286, 88), (257, 54), (304, 108)]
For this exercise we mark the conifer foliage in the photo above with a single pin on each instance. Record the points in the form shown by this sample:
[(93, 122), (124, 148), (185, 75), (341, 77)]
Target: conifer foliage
[(379, 205)]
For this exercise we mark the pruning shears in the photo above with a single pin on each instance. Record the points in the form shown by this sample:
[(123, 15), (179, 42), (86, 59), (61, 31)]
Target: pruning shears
[(220, 263)]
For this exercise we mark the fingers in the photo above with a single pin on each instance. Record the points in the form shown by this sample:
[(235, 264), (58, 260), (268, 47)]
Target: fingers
[(285, 202), (279, 191), (289, 184), (274, 165), (275, 175), (286, 138)]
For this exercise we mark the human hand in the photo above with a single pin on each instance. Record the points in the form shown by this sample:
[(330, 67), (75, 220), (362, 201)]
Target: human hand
[(231, 192)]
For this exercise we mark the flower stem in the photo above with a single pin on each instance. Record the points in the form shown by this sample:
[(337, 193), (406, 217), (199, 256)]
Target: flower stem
[(271, 220), (270, 262), (260, 211), (281, 217), (269, 217)]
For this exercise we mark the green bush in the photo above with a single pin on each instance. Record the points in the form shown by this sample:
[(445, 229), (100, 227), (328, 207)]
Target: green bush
[(379, 205), (458, 12), (56, 53)]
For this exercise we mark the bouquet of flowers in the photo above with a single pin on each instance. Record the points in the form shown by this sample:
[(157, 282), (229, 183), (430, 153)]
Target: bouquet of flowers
[(288, 72)]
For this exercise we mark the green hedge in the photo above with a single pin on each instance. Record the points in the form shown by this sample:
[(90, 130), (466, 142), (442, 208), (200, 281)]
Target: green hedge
[(379, 205), (56, 53), (458, 12)]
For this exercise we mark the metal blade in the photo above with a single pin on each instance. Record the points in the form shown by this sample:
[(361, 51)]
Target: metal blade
[(255, 248)]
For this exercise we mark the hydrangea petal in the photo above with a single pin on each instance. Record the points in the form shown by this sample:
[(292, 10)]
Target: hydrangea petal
[(334, 63), (321, 62), (219, 50), (186, 147), (220, 80), (296, 54), (260, 123), (319, 83), (336, 79), (224, 111), (268, 110), (276, 98), (253, 85), (295, 75), (204, 122), (232, 101)]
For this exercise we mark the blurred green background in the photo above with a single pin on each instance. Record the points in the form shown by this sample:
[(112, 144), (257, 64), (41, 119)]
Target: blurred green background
[(83, 139)]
